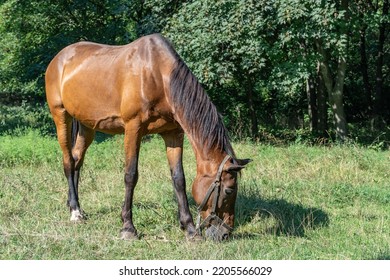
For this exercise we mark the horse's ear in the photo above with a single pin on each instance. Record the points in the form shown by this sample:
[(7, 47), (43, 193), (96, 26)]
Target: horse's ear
[(238, 165), (243, 162), (234, 168)]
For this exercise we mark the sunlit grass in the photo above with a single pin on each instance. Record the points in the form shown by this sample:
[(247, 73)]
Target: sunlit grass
[(295, 202)]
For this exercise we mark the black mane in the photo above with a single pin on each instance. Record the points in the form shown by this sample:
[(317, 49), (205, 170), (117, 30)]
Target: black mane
[(196, 112)]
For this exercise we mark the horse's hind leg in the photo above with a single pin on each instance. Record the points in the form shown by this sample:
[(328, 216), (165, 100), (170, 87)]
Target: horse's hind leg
[(63, 122), (84, 138)]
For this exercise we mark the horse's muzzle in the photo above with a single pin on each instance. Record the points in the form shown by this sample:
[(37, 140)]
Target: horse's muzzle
[(217, 233), (216, 228)]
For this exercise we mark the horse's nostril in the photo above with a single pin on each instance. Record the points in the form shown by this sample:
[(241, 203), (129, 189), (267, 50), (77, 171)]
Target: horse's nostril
[(225, 236)]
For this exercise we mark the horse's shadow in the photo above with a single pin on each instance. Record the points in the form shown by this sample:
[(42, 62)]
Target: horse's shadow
[(281, 217)]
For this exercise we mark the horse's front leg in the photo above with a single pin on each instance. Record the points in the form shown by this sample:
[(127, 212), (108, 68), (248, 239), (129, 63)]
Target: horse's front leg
[(174, 145), (132, 146)]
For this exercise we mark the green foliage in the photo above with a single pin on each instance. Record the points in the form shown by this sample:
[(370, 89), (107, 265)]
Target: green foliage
[(227, 44), (28, 149), (221, 40), (151, 16), (17, 120), (254, 57), (34, 31)]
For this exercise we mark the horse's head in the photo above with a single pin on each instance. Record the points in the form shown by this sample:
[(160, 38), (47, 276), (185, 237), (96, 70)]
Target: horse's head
[(215, 191)]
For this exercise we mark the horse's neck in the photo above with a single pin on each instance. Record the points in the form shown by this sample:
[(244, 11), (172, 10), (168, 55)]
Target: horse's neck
[(207, 160)]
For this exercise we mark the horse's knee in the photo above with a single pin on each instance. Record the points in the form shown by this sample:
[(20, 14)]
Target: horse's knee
[(131, 177), (178, 179), (76, 157), (78, 162)]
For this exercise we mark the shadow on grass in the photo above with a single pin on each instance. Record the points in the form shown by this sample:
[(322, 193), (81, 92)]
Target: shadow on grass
[(101, 137), (382, 256), (288, 219)]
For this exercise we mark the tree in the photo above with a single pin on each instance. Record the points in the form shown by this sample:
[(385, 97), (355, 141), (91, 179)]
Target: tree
[(320, 27), (380, 100), (267, 65), (151, 16), (226, 44), (255, 45), (34, 31), (371, 75)]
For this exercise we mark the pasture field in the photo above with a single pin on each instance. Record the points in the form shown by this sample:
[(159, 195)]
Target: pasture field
[(294, 202)]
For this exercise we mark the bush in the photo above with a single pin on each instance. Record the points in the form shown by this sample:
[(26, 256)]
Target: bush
[(19, 119)]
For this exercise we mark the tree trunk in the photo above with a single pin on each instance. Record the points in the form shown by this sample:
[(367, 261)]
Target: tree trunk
[(364, 68), (322, 106), (312, 104), (334, 88), (252, 112), (337, 101)]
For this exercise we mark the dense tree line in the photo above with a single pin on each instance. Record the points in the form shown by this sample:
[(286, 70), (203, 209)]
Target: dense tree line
[(319, 65)]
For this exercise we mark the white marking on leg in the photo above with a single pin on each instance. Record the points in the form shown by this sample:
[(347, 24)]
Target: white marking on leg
[(76, 216)]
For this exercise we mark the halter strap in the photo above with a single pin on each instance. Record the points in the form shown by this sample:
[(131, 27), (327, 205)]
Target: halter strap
[(214, 187), (216, 183)]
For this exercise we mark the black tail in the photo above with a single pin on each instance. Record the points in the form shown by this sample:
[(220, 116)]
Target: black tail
[(75, 130)]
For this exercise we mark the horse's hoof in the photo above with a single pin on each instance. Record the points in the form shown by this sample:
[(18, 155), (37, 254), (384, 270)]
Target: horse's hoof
[(77, 216), (128, 235)]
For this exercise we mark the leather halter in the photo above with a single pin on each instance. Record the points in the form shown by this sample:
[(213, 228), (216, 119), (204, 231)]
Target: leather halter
[(214, 187)]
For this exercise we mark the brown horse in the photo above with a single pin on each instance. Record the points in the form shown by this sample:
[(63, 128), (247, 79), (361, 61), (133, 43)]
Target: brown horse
[(138, 89)]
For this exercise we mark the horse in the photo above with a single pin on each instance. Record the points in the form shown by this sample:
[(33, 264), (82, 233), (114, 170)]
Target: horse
[(137, 89)]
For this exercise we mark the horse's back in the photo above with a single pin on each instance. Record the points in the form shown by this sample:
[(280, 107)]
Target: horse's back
[(104, 86)]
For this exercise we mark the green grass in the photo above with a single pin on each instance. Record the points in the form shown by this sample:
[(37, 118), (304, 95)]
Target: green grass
[(295, 202)]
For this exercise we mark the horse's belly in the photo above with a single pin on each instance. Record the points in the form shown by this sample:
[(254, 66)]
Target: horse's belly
[(101, 117), (110, 124), (96, 108)]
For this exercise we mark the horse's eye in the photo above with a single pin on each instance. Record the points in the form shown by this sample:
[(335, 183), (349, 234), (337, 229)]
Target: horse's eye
[(229, 191)]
